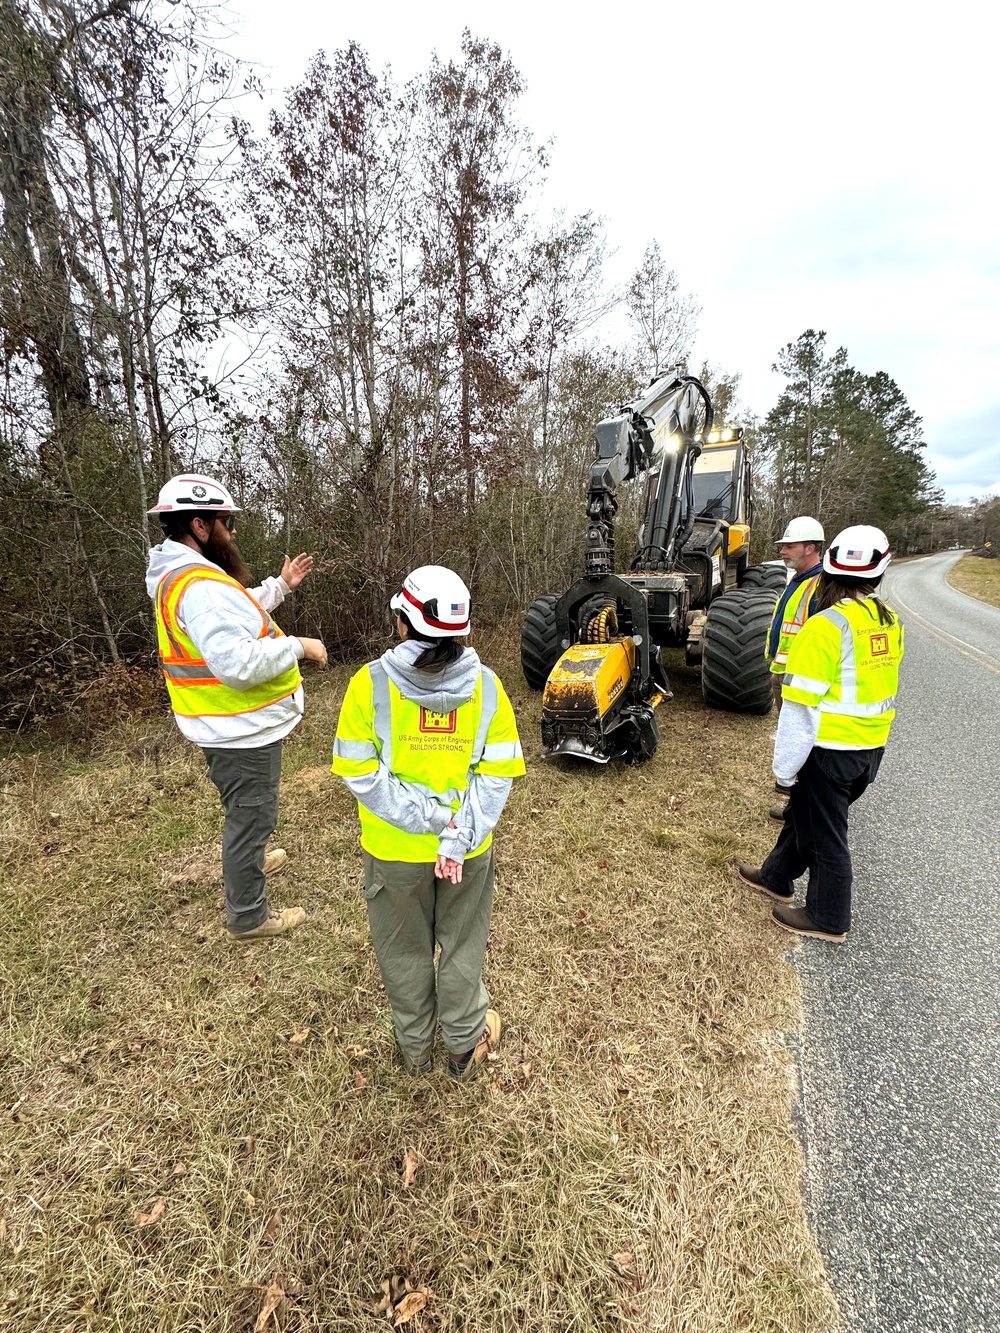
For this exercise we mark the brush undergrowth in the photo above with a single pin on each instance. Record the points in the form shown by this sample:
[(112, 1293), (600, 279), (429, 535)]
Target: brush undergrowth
[(198, 1137)]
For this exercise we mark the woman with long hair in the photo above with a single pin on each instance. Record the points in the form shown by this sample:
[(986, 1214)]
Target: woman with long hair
[(839, 700), (428, 745)]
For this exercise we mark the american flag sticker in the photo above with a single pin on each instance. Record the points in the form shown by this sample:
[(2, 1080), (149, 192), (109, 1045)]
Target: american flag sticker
[(855, 555), (458, 608)]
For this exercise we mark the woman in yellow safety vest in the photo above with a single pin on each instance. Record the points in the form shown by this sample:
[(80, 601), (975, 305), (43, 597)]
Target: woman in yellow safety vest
[(427, 743), (839, 698)]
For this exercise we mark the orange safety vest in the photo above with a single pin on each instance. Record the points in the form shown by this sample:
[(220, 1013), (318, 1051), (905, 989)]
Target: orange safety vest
[(194, 691)]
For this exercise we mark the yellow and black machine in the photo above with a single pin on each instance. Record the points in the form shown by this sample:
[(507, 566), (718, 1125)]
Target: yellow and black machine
[(595, 650)]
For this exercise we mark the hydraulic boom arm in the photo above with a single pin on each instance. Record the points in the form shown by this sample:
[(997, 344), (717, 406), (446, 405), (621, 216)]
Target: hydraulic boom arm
[(665, 422)]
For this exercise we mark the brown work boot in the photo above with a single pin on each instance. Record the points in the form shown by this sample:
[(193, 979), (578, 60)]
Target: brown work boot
[(274, 860), (464, 1066), (276, 924), (778, 813), (751, 875), (795, 920)]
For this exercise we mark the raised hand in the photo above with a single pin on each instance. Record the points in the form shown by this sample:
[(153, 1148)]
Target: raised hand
[(294, 571)]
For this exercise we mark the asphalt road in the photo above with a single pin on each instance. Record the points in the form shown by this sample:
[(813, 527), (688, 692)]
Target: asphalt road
[(900, 1052)]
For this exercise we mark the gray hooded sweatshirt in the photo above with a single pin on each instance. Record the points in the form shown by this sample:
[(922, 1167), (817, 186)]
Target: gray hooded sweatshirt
[(410, 808)]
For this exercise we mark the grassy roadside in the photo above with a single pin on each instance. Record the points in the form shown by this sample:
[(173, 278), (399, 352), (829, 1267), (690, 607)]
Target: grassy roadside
[(627, 1164), (977, 577)]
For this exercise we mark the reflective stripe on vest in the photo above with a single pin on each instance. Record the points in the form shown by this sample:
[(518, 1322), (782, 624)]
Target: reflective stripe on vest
[(193, 688), (798, 605), (858, 705), (382, 722), (382, 839)]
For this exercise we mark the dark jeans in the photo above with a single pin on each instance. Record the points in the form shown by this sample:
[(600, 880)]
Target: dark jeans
[(814, 836), (247, 781)]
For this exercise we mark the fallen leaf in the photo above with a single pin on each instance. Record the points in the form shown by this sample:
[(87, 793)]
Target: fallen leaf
[(272, 1226), (356, 1052), (250, 1200), (603, 865), (526, 1070), (625, 1260), (491, 1253), (409, 1168), (385, 1304), (581, 916), (410, 1305), (154, 1214), (632, 1050), (359, 1080), (180, 1169), (273, 1298), (298, 1037)]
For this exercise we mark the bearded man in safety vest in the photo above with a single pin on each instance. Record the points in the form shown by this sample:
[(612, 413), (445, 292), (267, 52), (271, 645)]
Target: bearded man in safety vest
[(233, 680), (801, 548), (427, 744), (839, 696)]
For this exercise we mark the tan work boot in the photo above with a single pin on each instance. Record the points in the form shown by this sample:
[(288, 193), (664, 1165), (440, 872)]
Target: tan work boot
[(464, 1066), (276, 924), (274, 860)]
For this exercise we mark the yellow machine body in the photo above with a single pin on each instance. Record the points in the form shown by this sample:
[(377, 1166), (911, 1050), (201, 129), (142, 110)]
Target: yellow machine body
[(583, 695)]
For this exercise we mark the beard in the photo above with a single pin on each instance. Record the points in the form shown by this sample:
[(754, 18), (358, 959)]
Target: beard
[(229, 558)]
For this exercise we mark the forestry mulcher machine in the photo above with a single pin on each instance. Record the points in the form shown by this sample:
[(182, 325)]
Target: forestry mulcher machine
[(596, 649)]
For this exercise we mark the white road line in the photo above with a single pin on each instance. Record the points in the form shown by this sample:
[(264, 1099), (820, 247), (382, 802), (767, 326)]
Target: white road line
[(966, 649)]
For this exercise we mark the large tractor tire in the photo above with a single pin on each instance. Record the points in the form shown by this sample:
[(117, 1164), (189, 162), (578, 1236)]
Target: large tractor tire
[(734, 672), (764, 576), (540, 649)]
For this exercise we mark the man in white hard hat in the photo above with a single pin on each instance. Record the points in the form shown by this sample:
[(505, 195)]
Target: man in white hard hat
[(233, 680), (801, 548)]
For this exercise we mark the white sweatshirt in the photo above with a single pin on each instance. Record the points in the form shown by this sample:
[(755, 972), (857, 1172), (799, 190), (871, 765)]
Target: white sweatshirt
[(225, 628), (798, 727)]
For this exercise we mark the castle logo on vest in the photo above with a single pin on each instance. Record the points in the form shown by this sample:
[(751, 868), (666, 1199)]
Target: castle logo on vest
[(440, 723), (880, 645)]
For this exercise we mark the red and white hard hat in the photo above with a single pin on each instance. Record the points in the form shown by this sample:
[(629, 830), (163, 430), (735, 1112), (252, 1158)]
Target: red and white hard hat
[(435, 601), (802, 529), (190, 492), (859, 552)]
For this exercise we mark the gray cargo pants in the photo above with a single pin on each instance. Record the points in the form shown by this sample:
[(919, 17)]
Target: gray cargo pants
[(410, 912), (247, 781)]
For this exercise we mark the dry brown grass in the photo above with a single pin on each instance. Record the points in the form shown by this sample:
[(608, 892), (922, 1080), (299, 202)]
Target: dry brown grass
[(626, 1164), (977, 577)]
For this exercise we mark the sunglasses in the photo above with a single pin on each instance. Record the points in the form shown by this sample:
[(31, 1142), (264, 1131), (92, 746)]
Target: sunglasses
[(228, 519)]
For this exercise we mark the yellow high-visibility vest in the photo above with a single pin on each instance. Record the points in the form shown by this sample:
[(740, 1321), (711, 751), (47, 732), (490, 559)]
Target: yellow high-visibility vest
[(194, 691), (435, 752), (846, 662), (794, 614)]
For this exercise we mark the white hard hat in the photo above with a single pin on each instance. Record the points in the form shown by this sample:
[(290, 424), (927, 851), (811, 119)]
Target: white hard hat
[(861, 552), (436, 602), (191, 492), (803, 529)]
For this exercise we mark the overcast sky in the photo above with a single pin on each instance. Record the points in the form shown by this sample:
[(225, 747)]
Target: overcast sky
[(802, 166)]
